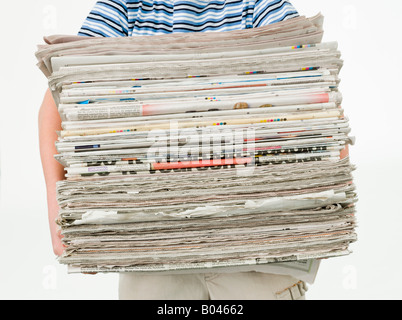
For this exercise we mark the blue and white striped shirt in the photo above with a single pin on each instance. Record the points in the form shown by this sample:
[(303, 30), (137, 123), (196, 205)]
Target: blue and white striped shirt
[(122, 18)]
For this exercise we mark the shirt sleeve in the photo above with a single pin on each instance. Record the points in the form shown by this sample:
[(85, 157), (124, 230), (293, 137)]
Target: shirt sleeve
[(271, 11), (108, 18)]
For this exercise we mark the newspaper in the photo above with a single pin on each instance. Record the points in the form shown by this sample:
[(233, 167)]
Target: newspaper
[(181, 157)]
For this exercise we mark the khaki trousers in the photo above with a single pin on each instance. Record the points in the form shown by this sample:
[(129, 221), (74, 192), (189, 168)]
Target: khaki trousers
[(211, 286)]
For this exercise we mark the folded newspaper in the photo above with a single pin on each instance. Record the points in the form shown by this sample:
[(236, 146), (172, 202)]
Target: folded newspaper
[(202, 152)]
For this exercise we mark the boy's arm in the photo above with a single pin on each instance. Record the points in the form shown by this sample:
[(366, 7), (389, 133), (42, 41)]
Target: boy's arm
[(49, 123)]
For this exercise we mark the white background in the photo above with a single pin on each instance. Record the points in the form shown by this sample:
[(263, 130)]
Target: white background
[(370, 41)]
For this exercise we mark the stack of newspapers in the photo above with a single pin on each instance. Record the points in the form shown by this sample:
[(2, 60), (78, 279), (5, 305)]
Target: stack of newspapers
[(196, 151)]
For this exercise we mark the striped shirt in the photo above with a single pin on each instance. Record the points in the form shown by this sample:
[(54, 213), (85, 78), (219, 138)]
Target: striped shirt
[(122, 18)]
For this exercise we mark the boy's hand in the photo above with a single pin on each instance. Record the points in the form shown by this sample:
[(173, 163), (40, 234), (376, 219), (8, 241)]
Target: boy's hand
[(57, 243)]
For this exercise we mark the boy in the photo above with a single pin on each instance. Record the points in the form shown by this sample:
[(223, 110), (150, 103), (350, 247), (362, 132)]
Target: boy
[(121, 18)]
